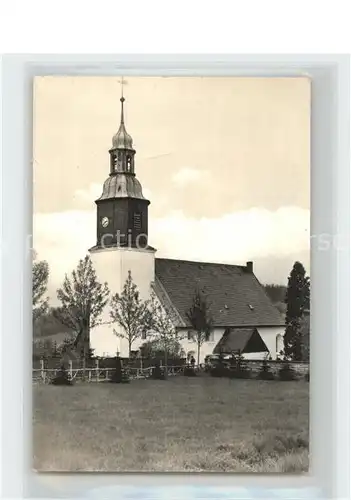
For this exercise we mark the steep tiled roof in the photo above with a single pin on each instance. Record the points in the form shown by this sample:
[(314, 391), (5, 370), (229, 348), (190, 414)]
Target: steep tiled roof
[(242, 340), (235, 295)]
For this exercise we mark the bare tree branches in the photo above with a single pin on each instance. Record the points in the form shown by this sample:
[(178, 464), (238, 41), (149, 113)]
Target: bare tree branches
[(131, 313), (163, 329), (39, 287), (200, 320)]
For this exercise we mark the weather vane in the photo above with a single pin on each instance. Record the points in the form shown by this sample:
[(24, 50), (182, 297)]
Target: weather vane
[(123, 82)]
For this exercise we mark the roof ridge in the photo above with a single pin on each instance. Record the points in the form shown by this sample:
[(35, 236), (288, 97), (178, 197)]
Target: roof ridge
[(199, 262)]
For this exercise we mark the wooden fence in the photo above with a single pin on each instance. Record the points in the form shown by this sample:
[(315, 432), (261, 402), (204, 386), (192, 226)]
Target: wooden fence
[(100, 374), (97, 374)]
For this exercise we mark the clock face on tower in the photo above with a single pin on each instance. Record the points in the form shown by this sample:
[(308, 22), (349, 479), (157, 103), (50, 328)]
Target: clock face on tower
[(104, 221)]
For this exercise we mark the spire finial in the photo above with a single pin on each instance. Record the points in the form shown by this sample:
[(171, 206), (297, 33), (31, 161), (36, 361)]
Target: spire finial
[(122, 84), (122, 99), (122, 140)]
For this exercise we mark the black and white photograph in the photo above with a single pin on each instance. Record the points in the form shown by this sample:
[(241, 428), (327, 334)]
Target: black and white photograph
[(171, 274)]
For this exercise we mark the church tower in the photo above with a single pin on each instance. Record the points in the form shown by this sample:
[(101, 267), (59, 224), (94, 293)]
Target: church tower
[(122, 210), (121, 236)]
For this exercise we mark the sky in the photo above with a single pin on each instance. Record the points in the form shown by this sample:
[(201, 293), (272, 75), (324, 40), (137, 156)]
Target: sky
[(224, 161)]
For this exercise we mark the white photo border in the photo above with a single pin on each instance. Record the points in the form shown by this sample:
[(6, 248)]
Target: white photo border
[(330, 278)]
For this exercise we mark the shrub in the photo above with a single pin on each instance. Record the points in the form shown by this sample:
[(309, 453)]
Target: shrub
[(219, 367), (119, 375), (219, 370), (189, 371), (286, 372), (265, 372), (239, 368), (243, 372), (62, 377)]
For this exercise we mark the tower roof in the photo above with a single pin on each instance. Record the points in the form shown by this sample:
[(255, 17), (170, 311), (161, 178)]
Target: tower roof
[(122, 140), (122, 186)]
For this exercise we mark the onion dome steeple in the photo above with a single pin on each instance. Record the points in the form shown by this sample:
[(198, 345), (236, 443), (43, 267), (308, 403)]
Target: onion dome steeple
[(122, 140), (122, 151)]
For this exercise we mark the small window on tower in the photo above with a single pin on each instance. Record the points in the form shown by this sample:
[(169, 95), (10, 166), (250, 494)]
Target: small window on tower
[(115, 163), (137, 221), (129, 163)]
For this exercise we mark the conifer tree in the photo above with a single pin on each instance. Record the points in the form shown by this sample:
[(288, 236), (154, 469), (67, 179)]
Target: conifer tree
[(297, 302)]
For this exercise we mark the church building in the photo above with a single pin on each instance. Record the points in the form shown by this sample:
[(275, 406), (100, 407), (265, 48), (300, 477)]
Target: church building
[(243, 315)]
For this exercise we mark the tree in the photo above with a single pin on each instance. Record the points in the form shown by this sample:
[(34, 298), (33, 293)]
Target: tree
[(200, 320), (163, 329), (47, 325), (39, 287), (131, 313), (276, 293), (305, 337), (297, 302), (154, 349), (83, 299)]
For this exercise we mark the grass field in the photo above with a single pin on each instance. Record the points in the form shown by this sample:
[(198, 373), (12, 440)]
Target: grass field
[(183, 424)]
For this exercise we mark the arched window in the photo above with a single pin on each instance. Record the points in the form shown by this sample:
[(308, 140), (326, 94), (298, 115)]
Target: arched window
[(129, 163), (279, 343), (113, 163)]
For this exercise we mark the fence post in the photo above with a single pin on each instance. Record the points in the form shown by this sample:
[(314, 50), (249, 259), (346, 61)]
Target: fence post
[(42, 372), (89, 375), (70, 369), (84, 368), (97, 370)]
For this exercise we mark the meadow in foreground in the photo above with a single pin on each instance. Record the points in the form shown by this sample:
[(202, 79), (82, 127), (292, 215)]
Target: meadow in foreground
[(180, 425)]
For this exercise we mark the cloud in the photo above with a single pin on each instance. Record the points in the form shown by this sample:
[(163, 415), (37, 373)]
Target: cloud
[(87, 195), (186, 175), (233, 237), (256, 234), (62, 239)]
